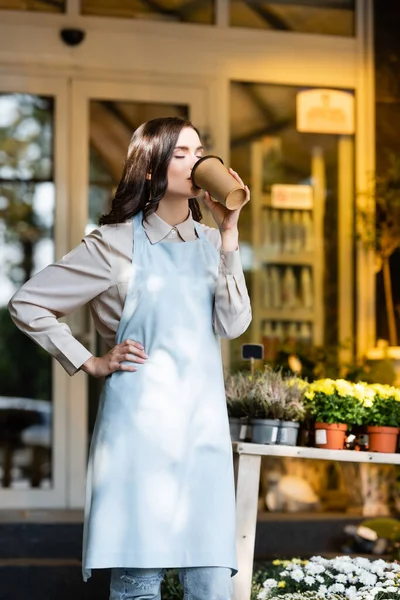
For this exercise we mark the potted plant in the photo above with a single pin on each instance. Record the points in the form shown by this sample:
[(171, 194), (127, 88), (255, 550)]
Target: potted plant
[(294, 410), (334, 405), (382, 417), (276, 405), (238, 389), (265, 407)]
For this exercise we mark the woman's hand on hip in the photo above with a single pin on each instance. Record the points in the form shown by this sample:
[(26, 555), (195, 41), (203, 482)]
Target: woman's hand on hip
[(117, 359)]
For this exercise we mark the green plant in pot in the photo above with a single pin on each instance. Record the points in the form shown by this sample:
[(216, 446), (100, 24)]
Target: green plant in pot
[(334, 406), (382, 417), (238, 391), (276, 407)]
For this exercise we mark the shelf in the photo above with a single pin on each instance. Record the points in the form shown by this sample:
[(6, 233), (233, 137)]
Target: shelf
[(287, 314), (316, 453), (315, 515), (264, 255)]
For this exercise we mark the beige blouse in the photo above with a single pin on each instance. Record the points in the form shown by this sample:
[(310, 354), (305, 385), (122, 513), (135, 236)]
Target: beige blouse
[(98, 271)]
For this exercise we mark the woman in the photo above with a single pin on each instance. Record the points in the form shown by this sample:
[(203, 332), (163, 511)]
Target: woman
[(160, 488)]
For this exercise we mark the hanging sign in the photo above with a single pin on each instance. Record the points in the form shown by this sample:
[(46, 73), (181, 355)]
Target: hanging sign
[(292, 196), (325, 111)]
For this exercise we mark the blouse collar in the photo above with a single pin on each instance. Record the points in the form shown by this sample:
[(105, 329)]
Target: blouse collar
[(157, 229)]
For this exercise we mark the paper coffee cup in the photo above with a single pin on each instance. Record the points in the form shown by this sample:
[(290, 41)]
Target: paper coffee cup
[(210, 174)]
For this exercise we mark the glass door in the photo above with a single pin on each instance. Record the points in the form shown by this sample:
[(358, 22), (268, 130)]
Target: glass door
[(33, 388), (104, 118)]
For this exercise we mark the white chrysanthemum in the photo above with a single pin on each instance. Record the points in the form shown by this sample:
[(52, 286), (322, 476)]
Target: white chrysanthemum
[(379, 563), (319, 579), (343, 566), (270, 583), (362, 562), (297, 574), (351, 593), (352, 578), (322, 590), (367, 578), (314, 568), (341, 578), (263, 595), (319, 560), (390, 575), (337, 587), (309, 580)]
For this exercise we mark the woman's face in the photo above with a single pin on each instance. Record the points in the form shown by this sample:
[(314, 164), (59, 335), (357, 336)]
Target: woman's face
[(187, 152)]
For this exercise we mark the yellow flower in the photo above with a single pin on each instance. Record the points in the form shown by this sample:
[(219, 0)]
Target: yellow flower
[(383, 391), (364, 393), (277, 562), (344, 388), (281, 584), (296, 561), (324, 386)]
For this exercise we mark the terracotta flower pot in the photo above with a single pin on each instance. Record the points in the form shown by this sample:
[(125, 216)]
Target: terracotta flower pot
[(382, 439), (330, 437)]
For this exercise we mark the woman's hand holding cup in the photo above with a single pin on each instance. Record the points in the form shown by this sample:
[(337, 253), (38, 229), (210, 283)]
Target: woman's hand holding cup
[(225, 218)]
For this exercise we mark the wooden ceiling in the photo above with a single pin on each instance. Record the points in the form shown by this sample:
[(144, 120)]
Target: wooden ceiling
[(331, 17)]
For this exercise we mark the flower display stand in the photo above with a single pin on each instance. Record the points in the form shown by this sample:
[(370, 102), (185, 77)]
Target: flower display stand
[(247, 471)]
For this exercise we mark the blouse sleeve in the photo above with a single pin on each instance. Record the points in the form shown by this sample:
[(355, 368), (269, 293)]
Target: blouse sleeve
[(57, 291), (232, 309)]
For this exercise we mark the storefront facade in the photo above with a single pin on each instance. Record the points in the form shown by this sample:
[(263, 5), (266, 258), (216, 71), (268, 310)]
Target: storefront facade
[(71, 109)]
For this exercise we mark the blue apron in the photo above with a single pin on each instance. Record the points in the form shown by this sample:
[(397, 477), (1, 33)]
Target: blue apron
[(160, 488)]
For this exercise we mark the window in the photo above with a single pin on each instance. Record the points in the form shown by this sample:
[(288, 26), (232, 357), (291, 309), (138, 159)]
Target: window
[(180, 11), (53, 6), (27, 202), (327, 17)]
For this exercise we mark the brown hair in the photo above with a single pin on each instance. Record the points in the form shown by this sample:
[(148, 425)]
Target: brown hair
[(150, 151)]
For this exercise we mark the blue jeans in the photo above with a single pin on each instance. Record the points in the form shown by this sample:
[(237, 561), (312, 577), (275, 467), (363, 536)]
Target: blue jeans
[(199, 583)]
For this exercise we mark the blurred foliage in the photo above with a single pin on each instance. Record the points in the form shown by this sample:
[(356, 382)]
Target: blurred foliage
[(26, 160), (171, 587), (379, 218), (378, 229), (25, 369)]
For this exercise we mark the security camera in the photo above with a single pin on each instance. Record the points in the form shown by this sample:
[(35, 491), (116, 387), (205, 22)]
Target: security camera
[(72, 37)]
